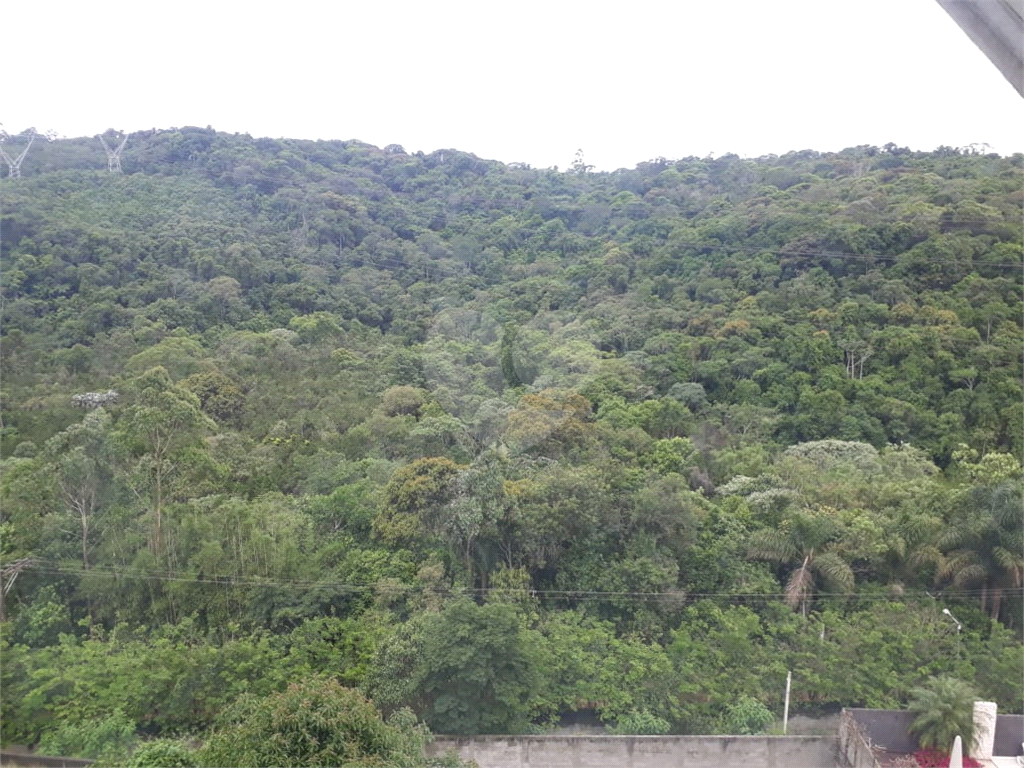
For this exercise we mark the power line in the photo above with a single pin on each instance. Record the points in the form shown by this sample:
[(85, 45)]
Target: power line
[(385, 587), (779, 251)]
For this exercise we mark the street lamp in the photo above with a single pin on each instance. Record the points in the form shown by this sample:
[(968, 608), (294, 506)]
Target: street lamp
[(959, 626)]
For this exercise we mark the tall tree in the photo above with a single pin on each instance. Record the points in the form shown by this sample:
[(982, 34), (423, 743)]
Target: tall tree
[(803, 540), (478, 670), (81, 460), (163, 429), (983, 544)]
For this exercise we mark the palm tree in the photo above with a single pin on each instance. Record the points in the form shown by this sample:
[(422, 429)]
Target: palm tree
[(803, 540), (945, 710), (983, 543)]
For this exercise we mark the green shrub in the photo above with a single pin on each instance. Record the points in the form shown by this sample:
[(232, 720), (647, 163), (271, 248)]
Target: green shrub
[(162, 753), (746, 717), (107, 740), (641, 723), (313, 723)]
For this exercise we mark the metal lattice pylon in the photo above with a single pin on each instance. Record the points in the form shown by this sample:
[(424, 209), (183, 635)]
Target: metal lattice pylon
[(14, 165), (113, 155)]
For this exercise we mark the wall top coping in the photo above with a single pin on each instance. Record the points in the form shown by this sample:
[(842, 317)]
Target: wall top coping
[(614, 737)]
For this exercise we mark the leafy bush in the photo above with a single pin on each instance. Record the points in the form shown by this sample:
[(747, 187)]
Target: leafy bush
[(107, 740), (746, 717), (469, 669), (162, 753), (41, 623), (641, 723), (313, 723)]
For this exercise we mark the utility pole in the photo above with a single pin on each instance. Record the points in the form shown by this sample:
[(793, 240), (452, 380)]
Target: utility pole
[(114, 155), (14, 166), (785, 711)]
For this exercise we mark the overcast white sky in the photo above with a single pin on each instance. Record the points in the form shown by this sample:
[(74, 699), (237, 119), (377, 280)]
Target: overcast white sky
[(529, 81)]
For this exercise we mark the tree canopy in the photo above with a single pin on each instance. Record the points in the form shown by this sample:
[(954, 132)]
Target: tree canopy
[(630, 445)]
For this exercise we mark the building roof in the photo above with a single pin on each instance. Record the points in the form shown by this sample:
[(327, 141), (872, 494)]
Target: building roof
[(997, 28)]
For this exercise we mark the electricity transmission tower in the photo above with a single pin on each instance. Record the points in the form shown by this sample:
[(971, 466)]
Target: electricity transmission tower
[(114, 155), (14, 165)]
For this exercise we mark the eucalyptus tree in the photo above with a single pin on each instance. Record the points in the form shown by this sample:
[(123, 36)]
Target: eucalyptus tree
[(81, 460), (162, 430)]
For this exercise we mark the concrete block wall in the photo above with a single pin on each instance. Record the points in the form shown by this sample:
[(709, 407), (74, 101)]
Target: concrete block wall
[(16, 757), (643, 751), (889, 729), (854, 750)]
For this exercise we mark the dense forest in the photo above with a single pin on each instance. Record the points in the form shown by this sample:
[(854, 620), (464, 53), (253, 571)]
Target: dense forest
[(485, 447)]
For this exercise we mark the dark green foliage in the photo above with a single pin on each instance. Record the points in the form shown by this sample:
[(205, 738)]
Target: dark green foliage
[(218, 395), (475, 670), (42, 623), (501, 444)]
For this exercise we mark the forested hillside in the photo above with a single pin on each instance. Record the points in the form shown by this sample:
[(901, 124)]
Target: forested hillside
[(502, 444)]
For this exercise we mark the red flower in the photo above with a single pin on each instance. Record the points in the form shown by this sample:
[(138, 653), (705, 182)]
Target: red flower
[(933, 758)]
